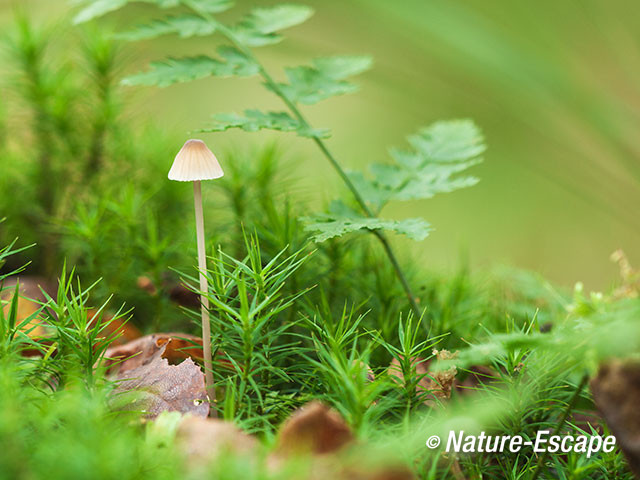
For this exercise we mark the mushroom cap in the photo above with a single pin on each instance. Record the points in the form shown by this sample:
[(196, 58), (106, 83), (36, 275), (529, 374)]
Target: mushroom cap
[(195, 162)]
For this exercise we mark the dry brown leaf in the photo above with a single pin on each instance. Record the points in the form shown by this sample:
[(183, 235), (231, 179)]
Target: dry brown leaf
[(158, 387), (320, 432), (202, 440), (175, 346), (313, 429), (616, 392)]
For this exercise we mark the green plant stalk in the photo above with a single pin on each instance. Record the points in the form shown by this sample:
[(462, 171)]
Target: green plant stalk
[(324, 149)]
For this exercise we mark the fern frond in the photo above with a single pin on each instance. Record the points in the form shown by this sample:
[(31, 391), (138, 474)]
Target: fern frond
[(254, 120), (184, 26), (175, 70)]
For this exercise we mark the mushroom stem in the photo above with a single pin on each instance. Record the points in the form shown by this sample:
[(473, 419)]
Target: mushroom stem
[(204, 300)]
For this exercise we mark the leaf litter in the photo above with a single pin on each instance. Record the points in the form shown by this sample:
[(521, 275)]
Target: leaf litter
[(156, 386)]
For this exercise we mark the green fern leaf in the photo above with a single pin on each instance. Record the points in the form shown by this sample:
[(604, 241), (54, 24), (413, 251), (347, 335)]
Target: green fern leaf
[(340, 67), (260, 26), (174, 70), (254, 120), (373, 193), (325, 227), (449, 141), (441, 152), (212, 6), (253, 38), (184, 25), (311, 84), (97, 9), (279, 17), (422, 183)]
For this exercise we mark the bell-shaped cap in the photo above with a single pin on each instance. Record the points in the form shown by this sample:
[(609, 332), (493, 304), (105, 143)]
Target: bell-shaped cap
[(195, 162)]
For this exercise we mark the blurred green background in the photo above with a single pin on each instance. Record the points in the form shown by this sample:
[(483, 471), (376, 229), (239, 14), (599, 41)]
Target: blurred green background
[(554, 85)]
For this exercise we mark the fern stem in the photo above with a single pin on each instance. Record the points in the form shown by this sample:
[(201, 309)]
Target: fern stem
[(352, 188), (274, 87), (413, 302)]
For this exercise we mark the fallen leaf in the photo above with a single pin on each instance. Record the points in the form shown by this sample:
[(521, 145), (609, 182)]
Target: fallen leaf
[(314, 428), (176, 347), (321, 433), (157, 387), (616, 393), (202, 440)]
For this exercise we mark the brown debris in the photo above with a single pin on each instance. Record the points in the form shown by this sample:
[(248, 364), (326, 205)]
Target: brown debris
[(434, 386), (145, 283), (443, 379), (616, 393), (313, 429), (181, 295), (158, 387), (177, 292), (202, 440), (320, 432)]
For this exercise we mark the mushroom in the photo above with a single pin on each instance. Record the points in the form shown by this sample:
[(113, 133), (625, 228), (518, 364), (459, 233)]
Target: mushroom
[(194, 163)]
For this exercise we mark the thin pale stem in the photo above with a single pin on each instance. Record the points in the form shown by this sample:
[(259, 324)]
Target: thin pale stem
[(274, 87), (204, 300)]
